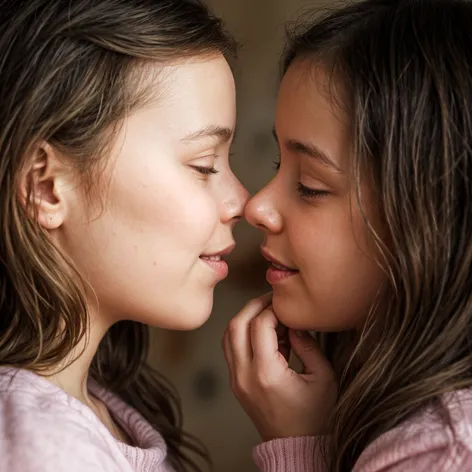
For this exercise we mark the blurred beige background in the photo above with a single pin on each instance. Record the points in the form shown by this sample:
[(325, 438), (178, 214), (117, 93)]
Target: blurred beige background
[(194, 361)]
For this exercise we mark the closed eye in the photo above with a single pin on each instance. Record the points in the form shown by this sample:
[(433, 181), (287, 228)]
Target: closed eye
[(311, 193), (205, 170)]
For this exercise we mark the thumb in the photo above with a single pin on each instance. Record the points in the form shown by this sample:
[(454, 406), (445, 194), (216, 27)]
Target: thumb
[(308, 351)]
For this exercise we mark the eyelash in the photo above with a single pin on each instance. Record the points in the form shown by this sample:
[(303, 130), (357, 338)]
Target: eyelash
[(305, 192), (205, 170), (310, 192)]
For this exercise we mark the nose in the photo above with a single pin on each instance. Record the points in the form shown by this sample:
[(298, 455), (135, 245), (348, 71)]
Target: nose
[(234, 201), (261, 211)]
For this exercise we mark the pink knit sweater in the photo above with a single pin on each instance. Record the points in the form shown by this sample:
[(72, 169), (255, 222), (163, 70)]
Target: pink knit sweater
[(42, 429), (436, 440)]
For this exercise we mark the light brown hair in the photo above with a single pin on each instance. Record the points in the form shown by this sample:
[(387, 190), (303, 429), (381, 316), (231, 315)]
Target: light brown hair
[(70, 72)]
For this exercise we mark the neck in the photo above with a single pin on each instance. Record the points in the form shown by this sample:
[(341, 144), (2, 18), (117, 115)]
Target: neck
[(72, 376)]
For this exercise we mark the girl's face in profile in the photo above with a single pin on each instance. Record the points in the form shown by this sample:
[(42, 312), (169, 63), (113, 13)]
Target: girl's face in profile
[(153, 253), (323, 271)]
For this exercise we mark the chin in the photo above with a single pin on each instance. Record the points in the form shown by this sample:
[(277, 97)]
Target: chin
[(190, 321), (302, 315), (191, 313), (296, 314), (288, 312)]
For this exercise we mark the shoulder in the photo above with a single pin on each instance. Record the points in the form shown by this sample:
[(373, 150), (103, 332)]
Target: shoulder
[(41, 431), (440, 438)]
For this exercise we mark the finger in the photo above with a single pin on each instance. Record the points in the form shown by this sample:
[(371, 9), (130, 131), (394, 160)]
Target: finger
[(227, 352), (308, 351), (239, 331), (229, 359), (264, 339), (283, 340)]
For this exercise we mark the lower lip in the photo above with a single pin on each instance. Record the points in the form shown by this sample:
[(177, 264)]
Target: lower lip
[(275, 276), (220, 267)]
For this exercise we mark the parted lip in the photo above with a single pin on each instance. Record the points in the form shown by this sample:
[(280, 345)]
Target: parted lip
[(268, 256), (223, 252)]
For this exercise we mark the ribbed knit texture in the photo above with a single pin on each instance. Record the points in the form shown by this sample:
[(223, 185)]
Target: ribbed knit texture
[(438, 439), (44, 429)]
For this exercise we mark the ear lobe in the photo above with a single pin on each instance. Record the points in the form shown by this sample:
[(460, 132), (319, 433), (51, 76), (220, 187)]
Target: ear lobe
[(39, 187)]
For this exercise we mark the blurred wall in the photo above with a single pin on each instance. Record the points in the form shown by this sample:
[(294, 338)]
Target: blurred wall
[(194, 361)]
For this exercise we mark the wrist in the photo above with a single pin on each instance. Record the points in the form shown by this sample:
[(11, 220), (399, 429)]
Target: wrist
[(286, 453)]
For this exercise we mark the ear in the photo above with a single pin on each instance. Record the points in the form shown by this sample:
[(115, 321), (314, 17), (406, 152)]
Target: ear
[(40, 186)]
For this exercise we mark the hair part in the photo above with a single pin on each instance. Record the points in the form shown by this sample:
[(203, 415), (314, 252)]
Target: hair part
[(70, 72), (405, 70)]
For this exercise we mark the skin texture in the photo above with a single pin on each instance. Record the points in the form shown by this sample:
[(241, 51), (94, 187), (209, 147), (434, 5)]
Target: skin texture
[(279, 401), (312, 224), (160, 212), (137, 242), (320, 231)]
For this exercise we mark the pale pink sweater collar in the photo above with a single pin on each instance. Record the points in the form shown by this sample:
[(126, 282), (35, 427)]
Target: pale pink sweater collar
[(150, 452)]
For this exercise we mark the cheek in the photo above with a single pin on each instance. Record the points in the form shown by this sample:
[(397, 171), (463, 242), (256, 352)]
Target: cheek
[(339, 278), (179, 222), (149, 224), (166, 201), (319, 241), (196, 217), (148, 242)]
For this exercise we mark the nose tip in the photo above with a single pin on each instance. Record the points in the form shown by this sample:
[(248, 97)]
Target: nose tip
[(235, 202), (248, 210), (254, 211), (261, 213), (246, 197), (242, 197)]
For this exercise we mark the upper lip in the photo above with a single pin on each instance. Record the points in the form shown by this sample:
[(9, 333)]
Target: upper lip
[(223, 252), (267, 255)]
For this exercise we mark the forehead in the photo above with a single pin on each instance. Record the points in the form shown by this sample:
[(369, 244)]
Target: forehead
[(196, 92), (308, 110), (206, 77), (307, 88)]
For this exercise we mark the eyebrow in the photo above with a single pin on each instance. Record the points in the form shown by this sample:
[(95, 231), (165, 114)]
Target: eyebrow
[(309, 150), (222, 134)]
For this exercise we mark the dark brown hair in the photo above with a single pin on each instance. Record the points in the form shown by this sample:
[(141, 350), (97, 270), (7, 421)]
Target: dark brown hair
[(405, 70), (70, 71)]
